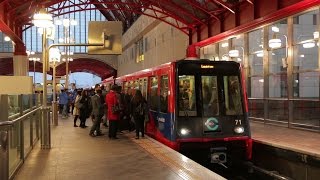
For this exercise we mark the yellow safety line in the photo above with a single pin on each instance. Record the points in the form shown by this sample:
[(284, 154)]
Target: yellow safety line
[(148, 145)]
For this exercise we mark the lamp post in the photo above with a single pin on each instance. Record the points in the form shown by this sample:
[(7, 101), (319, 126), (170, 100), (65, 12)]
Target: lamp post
[(44, 20), (67, 39), (54, 57)]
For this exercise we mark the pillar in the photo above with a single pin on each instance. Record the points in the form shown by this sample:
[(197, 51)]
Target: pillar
[(20, 65)]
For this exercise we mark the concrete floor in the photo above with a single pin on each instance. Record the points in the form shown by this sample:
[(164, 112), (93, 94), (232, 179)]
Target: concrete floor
[(76, 155)]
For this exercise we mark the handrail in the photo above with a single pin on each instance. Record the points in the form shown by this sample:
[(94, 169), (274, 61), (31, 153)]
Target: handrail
[(10, 123)]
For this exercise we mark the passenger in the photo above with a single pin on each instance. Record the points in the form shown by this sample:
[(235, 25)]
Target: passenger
[(113, 112), (84, 110), (73, 93), (103, 101), (76, 110), (63, 101), (97, 111), (127, 98), (138, 107)]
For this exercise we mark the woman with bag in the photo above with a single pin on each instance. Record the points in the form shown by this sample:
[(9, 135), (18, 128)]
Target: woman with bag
[(138, 112), (84, 109), (76, 109)]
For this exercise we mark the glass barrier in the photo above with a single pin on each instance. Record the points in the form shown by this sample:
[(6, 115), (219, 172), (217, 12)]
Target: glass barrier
[(13, 104)]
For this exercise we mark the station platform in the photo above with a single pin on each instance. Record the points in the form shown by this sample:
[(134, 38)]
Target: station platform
[(300, 141), (76, 155)]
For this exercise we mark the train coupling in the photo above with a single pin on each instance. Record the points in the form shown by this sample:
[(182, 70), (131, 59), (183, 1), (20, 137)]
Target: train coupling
[(219, 156)]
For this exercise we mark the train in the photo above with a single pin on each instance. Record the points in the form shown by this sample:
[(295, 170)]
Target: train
[(196, 106)]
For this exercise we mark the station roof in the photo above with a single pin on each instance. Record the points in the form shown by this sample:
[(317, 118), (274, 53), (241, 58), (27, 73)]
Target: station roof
[(186, 15)]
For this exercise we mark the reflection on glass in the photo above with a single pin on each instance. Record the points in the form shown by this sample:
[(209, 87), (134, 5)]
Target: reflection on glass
[(255, 65), (187, 97), (255, 41), (278, 110), (256, 88), (305, 26), (278, 87), (13, 103), (277, 61), (306, 112), (154, 93), (210, 96), (164, 94), (256, 108), (305, 58), (306, 85), (232, 95)]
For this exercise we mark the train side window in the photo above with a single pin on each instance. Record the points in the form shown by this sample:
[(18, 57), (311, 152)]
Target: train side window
[(232, 94), (144, 87), (164, 94), (187, 96), (210, 99), (153, 98)]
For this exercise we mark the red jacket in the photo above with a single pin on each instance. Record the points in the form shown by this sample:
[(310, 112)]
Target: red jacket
[(111, 99)]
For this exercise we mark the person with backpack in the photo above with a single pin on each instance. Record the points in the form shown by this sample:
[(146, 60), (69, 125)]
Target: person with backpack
[(138, 112)]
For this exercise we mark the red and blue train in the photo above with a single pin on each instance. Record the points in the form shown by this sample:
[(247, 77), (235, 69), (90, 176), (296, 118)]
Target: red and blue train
[(196, 105)]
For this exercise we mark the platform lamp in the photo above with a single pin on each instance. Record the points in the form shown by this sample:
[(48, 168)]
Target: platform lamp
[(42, 19), (234, 53), (54, 58), (66, 23)]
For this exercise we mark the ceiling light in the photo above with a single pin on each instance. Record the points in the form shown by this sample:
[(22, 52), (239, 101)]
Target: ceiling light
[(302, 55), (42, 19), (275, 29), (275, 43), (259, 53), (7, 38), (309, 44), (224, 44)]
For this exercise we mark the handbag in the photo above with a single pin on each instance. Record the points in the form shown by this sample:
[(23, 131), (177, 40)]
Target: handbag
[(79, 105)]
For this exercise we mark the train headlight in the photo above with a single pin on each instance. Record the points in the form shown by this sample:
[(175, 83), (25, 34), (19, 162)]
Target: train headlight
[(239, 129), (184, 131)]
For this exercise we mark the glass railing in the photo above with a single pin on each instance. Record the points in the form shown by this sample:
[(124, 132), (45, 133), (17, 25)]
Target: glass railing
[(19, 132)]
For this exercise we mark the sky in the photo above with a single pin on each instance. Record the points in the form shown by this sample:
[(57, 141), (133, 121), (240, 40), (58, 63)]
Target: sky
[(82, 79)]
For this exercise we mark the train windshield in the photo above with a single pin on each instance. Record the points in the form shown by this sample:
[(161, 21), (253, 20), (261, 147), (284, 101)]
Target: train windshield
[(232, 95), (210, 99), (187, 96)]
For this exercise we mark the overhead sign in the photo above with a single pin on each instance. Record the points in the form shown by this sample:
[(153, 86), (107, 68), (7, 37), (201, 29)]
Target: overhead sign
[(108, 33)]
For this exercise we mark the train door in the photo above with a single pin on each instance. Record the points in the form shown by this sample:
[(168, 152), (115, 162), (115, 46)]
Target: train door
[(144, 87)]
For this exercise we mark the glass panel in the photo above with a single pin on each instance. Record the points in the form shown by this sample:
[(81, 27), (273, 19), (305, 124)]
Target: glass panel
[(306, 112), (145, 87), (210, 96), (210, 52), (306, 85), (256, 64), (277, 61), (255, 41), (278, 86), (305, 26), (154, 93), (232, 95), (256, 89), (26, 102), (278, 110), (187, 96), (305, 58), (164, 94), (256, 108), (13, 103), (14, 147), (26, 135), (237, 44)]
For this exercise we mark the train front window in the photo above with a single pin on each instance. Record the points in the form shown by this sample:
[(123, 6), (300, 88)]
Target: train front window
[(210, 102), (232, 95), (187, 96)]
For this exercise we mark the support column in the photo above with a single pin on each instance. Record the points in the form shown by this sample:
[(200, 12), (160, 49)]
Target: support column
[(20, 65)]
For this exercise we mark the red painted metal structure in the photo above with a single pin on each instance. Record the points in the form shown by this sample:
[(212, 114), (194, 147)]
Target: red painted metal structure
[(204, 21)]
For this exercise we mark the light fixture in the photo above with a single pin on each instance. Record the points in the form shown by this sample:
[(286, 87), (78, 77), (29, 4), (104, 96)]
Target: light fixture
[(302, 55), (42, 19), (7, 38), (54, 55), (308, 44), (275, 43), (316, 34), (261, 80), (224, 44), (259, 53), (275, 29), (234, 53)]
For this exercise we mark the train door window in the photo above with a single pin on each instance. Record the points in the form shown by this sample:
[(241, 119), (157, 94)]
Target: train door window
[(232, 95), (187, 96), (144, 87), (210, 102), (153, 93), (164, 94)]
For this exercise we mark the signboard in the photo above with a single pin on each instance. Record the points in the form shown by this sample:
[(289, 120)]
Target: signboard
[(16, 85), (108, 33)]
